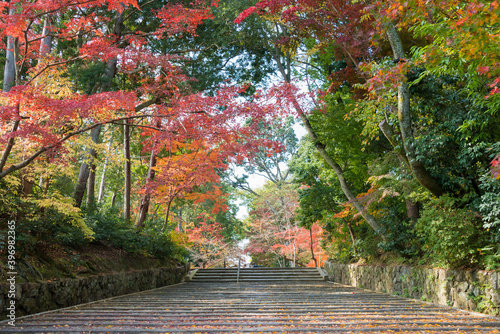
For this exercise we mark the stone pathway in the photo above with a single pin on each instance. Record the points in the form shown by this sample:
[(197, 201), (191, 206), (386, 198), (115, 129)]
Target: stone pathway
[(264, 307)]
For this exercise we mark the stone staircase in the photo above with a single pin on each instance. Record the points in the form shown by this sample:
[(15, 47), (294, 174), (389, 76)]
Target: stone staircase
[(257, 307), (229, 275)]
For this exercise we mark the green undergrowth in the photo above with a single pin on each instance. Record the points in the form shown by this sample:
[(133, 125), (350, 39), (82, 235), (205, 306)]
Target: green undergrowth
[(51, 243), (449, 234)]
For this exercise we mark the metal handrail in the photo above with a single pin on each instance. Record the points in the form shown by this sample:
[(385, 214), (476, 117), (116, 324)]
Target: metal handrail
[(238, 274)]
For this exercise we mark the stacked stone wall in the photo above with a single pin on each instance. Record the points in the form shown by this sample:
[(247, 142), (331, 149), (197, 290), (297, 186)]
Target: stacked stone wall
[(467, 290), (44, 296)]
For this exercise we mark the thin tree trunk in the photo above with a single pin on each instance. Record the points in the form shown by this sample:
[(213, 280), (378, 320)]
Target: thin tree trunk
[(167, 214), (312, 247), (47, 184), (144, 207), (92, 172), (113, 200), (8, 148), (45, 49), (339, 172), (45, 180), (9, 79), (404, 118), (9, 73), (91, 186), (127, 171), (179, 224), (83, 174), (46, 44), (351, 232), (102, 184)]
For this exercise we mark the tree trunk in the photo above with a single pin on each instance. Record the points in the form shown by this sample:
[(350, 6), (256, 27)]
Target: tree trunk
[(91, 186), (102, 184), (8, 148), (404, 118), (9, 79), (339, 172), (312, 247), (46, 44), (144, 208), (83, 175), (351, 232), (9, 73), (167, 214), (127, 171), (180, 228), (47, 184), (412, 210), (113, 200), (388, 132), (26, 186), (81, 184)]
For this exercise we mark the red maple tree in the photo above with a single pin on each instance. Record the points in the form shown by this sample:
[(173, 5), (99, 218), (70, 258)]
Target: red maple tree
[(28, 115)]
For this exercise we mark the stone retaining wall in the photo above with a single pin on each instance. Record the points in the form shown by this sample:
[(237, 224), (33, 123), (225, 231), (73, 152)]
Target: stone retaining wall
[(39, 297), (468, 290)]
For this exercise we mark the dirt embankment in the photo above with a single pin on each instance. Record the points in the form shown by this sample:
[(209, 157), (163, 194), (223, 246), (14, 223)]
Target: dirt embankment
[(55, 262)]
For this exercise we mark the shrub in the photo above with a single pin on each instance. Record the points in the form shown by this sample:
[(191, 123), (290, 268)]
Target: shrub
[(490, 203), (451, 236), (40, 222), (111, 228), (400, 235)]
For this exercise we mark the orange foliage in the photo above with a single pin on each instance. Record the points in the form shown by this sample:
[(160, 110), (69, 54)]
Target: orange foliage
[(188, 167)]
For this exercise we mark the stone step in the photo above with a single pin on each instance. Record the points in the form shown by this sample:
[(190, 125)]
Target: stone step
[(251, 271), (308, 273), (261, 269), (215, 280), (257, 275), (264, 269)]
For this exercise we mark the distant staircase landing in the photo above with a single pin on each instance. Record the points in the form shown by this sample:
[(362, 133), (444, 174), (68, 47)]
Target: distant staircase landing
[(258, 274)]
